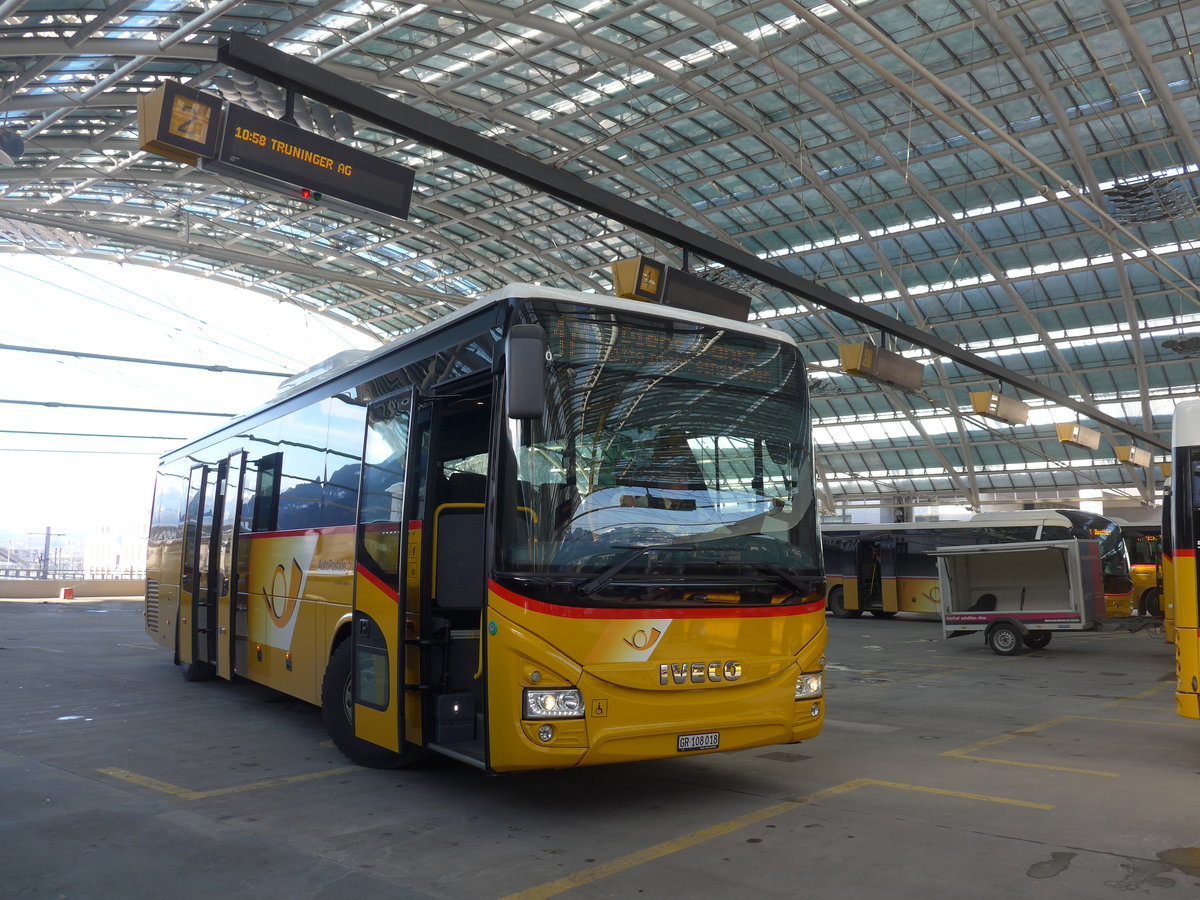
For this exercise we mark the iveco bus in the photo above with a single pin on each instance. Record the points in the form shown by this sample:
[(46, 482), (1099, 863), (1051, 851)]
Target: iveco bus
[(552, 529)]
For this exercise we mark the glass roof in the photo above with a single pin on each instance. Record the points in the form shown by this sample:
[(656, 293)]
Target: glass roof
[(1019, 179)]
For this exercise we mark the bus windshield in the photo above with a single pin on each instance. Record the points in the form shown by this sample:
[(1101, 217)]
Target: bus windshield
[(673, 464), (1113, 556)]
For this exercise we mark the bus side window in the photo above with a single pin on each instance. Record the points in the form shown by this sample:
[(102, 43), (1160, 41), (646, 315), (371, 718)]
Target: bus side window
[(266, 493)]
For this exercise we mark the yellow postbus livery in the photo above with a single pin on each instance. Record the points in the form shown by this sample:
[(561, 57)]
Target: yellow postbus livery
[(1180, 536), (552, 529)]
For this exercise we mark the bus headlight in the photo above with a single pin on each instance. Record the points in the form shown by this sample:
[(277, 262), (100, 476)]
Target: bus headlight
[(564, 703), (809, 685)]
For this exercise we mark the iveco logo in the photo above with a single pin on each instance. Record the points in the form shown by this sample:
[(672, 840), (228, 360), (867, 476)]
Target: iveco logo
[(698, 672)]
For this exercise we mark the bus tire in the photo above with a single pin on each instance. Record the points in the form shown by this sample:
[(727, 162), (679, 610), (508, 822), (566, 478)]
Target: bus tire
[(1151, 603), (1036, 640), (883, 613), (836, 603), (337, 712), (1004, 639)]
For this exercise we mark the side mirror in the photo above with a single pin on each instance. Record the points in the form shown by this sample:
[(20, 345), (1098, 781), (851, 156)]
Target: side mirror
[(525, 380)]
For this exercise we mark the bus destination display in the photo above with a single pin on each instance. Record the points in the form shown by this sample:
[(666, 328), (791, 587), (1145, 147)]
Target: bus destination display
[(261, 145)]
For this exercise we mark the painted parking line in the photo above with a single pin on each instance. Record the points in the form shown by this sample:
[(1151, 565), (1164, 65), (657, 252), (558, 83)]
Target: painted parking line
[(971, 751), (1144, 695), (666, 848), (183, 793)]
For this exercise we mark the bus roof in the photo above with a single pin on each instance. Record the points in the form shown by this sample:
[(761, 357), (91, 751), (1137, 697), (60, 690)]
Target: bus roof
[(1185, 425), (530, 292), (342, 364)]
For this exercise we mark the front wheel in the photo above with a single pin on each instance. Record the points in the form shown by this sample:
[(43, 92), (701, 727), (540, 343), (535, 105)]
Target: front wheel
[(337, 711), (1004, 640), (1036, 640), (837, 605)]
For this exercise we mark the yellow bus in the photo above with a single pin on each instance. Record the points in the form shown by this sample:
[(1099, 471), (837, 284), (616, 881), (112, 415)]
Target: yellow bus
[(1166, 566), (888, 568), (1180, 533), (1143, 543), (552, 529)]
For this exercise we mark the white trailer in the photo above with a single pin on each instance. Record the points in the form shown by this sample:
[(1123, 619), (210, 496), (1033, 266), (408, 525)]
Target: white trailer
[(1021, 593)]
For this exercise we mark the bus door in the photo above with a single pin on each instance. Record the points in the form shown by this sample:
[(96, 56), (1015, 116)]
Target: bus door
[(870, 574), (209, 576), (229, 600), (454, 596), (385, 631), (197, 613), (890, 553)]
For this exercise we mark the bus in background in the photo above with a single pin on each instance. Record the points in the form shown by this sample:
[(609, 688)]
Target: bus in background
[(1144, 546), (1181, 530), (1166, 566), (552, 529), (886, 569)]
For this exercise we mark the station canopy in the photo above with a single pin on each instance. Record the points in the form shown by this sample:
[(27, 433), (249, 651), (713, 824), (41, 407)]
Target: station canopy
[(1017, 179)]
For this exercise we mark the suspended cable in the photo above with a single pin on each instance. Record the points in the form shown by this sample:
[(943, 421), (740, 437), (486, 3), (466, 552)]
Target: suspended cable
[(172, 412), (136, 437), (149, 362)]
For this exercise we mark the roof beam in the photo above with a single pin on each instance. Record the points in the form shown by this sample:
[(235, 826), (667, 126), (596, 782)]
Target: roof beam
[(288, 71)]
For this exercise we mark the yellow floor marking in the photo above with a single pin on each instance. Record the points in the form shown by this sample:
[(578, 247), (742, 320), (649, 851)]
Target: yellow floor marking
[(1143, 695), (970, 751), (187, 794), (649, 854)]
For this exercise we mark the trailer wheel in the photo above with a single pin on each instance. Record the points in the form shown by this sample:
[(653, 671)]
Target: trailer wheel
[(836, 603), (1036, 640), (1004, 639), (337, 711)]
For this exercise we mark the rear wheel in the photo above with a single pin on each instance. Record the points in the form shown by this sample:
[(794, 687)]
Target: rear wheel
[(337, 711), (836, 603), (1151, 603), (1036, 640), (1004, 639)]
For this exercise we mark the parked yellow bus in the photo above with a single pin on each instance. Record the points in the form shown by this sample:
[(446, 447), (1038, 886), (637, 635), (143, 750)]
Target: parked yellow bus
[(888, 568), (1166, 566), (1143, 543), (552, 529), (1181, 529)]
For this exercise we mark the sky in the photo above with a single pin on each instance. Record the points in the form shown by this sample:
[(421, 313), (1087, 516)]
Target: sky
[(51, 474)]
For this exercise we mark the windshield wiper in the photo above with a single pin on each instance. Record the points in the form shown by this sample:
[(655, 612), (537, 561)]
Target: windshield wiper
[(603, 578), (770, 568)]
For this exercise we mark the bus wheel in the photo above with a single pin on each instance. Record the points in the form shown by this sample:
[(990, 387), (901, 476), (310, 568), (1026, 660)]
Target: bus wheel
[(1150, 604), (337, 711), (837, 605), (1036, 640), (1004, 639), (883, 613)]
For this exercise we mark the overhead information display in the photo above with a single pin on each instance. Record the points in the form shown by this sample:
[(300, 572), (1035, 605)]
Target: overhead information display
[(265, 146), (193, 127)]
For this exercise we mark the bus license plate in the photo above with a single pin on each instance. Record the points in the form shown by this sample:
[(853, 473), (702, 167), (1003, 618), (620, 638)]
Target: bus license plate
[(707, 741)]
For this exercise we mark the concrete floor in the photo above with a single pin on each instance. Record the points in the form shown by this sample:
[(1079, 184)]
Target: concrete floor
[(944, 771)]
